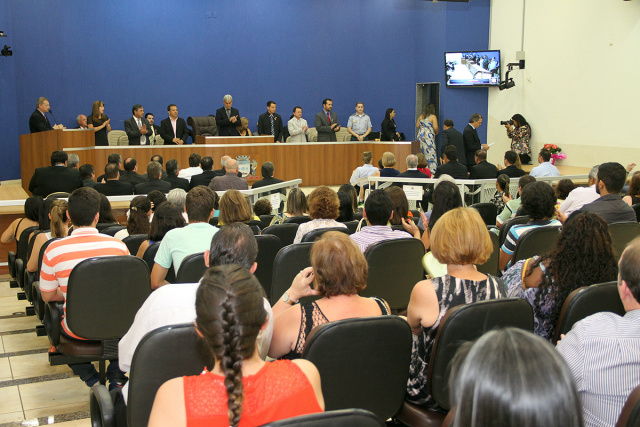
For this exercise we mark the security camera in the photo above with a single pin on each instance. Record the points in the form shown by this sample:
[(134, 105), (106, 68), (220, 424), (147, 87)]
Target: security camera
[(6, 51), (507, 84)]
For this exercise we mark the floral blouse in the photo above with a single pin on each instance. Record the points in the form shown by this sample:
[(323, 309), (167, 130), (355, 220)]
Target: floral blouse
[(520, 138)]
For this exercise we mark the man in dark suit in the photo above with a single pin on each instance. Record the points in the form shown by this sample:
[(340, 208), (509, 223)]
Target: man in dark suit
[(87, 175), (172, 176), (450, 164), (227, 118), (137, 127), (231, 180), (113, 158), (267, 178), (130, 174), (38, 122), (472, 140), (154, 131), (113, 186), (206, 163), (326, 122), (412, 171), (270, 123), (451, 136), (55, 178), (154, 170), (173, 129), (483, 169), (510, 168)]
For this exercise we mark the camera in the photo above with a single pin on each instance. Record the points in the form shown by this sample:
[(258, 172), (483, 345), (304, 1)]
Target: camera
[(6, 51), (506, 122)]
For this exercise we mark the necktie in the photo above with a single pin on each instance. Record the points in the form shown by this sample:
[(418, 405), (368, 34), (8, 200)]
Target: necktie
[(45, 117), (273, 129), (142, 137), (329, 118), (228, 114)]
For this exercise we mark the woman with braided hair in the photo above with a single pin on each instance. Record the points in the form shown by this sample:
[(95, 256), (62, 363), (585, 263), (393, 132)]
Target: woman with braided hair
[(242, 389)]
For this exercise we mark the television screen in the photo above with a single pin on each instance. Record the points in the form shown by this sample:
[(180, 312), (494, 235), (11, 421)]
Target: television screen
[(475, 68)]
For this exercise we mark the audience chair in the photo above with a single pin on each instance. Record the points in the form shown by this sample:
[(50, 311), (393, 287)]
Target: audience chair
[(488, 212), (58, 195), (203, 125), (636, 208), (621, 234), (522, 219), (462, 323), (363, 363), (288, 263), (297, 219), (630, 414), (149, 257), (268, 247), (103, 297), (265, 221), (165, 353), (357, 216), (38, 303), (536, 241), (191, 269), (21, 258), (491, 266), (254, 225), (29, 277), (134, 241), (111, 230), (314, 235), (586, 301), (341, 418), (286, 232), (395, 266), (352, 226)]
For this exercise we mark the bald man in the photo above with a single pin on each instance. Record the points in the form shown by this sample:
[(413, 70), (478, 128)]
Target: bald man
[(230, 180)]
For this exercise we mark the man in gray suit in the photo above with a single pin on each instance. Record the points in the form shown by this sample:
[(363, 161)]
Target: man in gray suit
[(326, 122), (450, 136)]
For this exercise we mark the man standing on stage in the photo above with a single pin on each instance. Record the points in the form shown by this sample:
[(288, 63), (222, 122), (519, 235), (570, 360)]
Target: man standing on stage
[(270, 123), (227, 118), (326, 122), (38, 122)]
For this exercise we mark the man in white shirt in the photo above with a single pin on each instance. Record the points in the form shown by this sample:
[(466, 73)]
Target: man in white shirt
[(359, 124), (193, 169), (580, 196), (545, 168), (364, 171), (298, 128)]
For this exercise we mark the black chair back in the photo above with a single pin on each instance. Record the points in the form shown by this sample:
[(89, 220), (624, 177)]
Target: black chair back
[(341, 418), (288, 263), (314, 235), (213, 221), (112, 229), (395, 266), (488, 212), (254, 225), (134, 241), (21, 255), (523, 219), (630, 414), (285, 232), (586, 301), (465, 323), (352, 226), (191, 269), (357, 216), (363, 363), (102, 225), (621, 234), (149, 256), (536, 241), (268, 247), (265, 221), (636, 208), (297, 219), (491, 266)]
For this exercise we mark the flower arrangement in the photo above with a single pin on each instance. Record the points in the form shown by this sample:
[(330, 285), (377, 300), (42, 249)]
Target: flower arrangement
[(556, 152)]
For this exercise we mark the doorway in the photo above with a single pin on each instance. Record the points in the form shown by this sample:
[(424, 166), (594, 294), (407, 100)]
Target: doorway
[(428, 93)]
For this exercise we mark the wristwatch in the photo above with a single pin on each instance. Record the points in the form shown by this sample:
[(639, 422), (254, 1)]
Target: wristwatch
[(285, 298)]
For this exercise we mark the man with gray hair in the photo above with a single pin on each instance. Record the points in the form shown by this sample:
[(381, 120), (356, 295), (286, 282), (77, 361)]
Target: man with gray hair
[(227, 118), (267, 178), (231, 180), (82, 122), (412, 172), (73, 161), (581, 196), (38, 122), (178, 197)]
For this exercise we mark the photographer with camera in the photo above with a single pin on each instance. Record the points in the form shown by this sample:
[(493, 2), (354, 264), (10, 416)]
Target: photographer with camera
[(520, 133)]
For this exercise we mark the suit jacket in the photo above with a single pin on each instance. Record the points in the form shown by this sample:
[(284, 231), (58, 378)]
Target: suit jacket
[(483, 170), (264, 125), (325, 133), (52, 179), (166, 131), (229, 181), (268, 181), (295, 131), (451, 136), (131, 128), (114, 187), (412, 174), (512, 172), (453, 168), (156, 184), (471, 143), (38, 122), (202, 179), (178, 182), (225, 127), (132, 177)]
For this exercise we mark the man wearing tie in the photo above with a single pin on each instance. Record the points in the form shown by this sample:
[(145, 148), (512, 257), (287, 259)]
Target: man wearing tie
[(38, 122), (326, 122), (137, 127), (471, 140), (227, 118), (173, 129), (270, 123), (154, 131)]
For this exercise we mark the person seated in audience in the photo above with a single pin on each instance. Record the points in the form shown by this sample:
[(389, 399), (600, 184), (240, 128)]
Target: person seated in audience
[(87, 175), (367, 169), (581, 196), (338, 272), (267, 169), (193, 169), (483, 169), (563, 188), (539, 201), (106, 214), (296, 206), (116, 159), (166, 217), (173, 178), (130, 174), (460, 239), (378, 210), (59, 227), (262, 207), (191, 239), (422, 164), (353, 193), (388, 161), (450, 164), (257, 392), (602, 349), (346, 208), (582, 256), (207, 173), (178, 197), (545, 168), (156, 197), (235, 208), (633, 195), (138, 221), (446, 197), (62, 255), (412, 170), (400, 205), (232, 179), (483, 392), (512, 166), (512, 205), (243, 128), (154, 175), (113, 186), (31, 212), (324, 208), (502, 192)]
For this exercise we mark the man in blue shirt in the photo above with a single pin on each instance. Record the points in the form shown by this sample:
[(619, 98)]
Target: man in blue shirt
[(545, 168), (359, 124)]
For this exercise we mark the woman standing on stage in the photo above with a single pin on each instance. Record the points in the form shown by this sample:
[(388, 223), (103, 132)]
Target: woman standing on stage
[(520, 134), (100, 122), (428, 129)]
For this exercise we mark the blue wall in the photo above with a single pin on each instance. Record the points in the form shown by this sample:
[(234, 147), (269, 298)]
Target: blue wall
[(293, 52)]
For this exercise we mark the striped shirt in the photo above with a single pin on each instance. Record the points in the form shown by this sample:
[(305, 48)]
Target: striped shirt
[(377, 233), (515, 232), (603, 354), (62, 255)]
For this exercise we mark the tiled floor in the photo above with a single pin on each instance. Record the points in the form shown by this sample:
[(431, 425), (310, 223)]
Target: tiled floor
[(32, 392)]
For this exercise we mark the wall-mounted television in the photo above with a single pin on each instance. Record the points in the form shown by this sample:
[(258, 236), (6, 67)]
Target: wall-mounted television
[(472, 68)]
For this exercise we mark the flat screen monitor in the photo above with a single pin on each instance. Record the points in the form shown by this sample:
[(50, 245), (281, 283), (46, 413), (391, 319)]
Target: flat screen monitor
[(472, 68)]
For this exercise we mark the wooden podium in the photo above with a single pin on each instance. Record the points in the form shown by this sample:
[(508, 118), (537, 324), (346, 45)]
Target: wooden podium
[(36, 148)]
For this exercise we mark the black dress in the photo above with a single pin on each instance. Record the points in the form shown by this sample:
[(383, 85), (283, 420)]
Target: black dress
[(101, 135), (388, 130)]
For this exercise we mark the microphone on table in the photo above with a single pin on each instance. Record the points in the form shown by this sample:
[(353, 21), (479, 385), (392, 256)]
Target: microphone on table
[(54, 117)]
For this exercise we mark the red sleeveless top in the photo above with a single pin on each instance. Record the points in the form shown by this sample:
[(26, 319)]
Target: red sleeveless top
[(279, 390)]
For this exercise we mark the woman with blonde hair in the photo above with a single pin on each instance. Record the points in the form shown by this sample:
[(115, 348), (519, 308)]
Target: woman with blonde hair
[(100, 123), (235, 208), (243, 128)]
